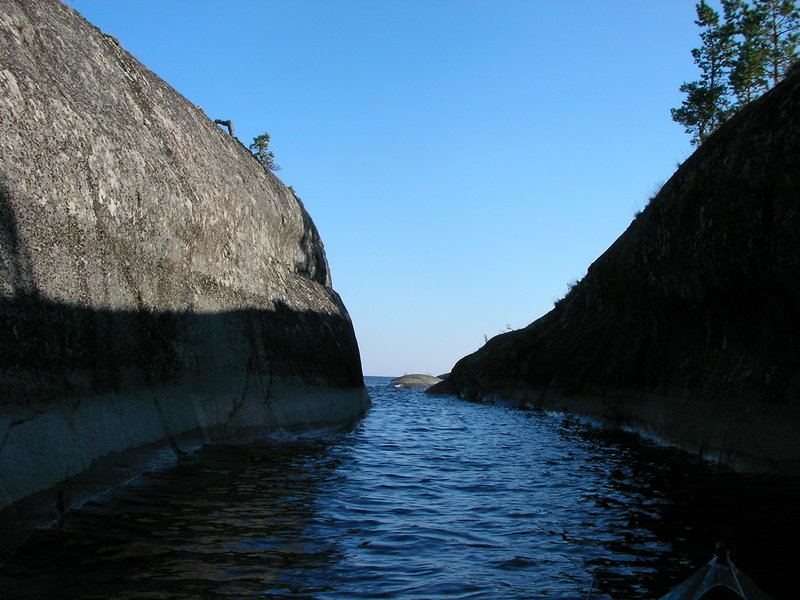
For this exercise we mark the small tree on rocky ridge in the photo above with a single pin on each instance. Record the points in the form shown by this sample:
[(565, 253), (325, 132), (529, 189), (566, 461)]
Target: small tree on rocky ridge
[(260, 149)]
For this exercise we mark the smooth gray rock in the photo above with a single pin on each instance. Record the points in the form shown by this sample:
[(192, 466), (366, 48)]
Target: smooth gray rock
[(158, 287), (416, 381)]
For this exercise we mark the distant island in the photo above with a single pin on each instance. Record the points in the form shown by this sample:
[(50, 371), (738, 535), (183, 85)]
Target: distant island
[(416, 381)]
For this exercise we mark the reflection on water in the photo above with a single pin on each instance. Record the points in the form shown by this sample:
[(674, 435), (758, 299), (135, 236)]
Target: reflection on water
[(427, 498)]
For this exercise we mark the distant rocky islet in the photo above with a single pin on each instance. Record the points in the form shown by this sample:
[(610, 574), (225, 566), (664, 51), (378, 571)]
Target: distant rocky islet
[(415, 380)]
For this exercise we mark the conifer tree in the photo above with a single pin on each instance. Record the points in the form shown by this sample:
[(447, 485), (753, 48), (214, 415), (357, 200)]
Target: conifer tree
[(748, 71), (260, 149), (782, 34), (742, 56), (706, 105)]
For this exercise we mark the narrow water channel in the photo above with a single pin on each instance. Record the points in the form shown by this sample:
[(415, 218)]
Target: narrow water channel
[(429, 498)]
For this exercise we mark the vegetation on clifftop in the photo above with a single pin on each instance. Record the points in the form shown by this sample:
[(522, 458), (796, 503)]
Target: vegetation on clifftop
[(743, 54), (260, 149)]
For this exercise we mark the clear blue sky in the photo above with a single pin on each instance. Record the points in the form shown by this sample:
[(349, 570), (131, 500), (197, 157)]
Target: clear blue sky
[(464, 160)]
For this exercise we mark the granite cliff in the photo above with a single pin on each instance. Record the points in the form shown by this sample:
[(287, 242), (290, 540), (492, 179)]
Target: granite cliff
[(158, 287), (687, 329)]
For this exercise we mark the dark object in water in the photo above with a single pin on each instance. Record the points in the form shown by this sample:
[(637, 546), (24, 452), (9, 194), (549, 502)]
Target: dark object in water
[(718, 580)]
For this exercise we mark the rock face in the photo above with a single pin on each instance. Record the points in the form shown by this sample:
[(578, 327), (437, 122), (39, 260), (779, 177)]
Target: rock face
[(687, 329), (158, 287)]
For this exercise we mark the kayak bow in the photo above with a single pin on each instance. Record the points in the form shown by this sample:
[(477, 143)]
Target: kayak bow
[(718, 579)]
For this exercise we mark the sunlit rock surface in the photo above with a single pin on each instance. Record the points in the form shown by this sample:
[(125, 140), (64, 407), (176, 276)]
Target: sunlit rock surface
[(158, 287), (687, 329)]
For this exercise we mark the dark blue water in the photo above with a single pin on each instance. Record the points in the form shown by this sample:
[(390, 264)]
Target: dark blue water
[(427, 498)]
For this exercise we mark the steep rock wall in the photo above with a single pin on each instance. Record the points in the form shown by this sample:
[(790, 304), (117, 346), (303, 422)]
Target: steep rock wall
[(158, 287), (687, 329)]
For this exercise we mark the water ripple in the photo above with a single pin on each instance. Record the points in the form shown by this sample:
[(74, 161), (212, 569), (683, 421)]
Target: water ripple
[(426, 498)]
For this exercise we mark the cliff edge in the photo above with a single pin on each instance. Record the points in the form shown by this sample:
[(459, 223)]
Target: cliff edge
[(158, 287), (687, 329)]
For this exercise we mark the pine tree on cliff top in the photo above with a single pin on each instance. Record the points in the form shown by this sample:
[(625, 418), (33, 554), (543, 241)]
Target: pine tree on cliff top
[(741, 56), (748, 74), (260, 149), (706, 105), (782, 34)]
